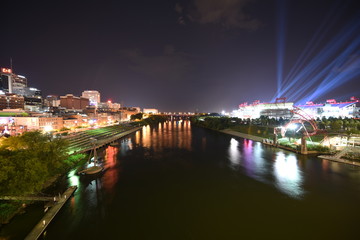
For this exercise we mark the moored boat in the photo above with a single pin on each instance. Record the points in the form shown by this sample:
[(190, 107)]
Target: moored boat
[(95, 168), (91, 170)]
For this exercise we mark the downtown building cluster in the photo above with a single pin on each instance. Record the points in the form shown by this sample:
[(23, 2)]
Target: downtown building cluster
[(23, 108)]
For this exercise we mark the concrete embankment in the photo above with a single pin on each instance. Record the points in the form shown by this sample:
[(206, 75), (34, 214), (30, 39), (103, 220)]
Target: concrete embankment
[(49, 216)]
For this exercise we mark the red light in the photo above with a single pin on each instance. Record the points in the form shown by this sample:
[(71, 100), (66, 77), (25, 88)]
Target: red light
[(331, 101), (6, 70)]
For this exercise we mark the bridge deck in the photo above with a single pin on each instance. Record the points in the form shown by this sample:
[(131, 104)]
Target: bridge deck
[(49, 216)]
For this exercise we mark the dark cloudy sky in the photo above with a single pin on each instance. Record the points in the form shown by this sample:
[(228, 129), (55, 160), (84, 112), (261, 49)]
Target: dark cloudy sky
[(173, 55)]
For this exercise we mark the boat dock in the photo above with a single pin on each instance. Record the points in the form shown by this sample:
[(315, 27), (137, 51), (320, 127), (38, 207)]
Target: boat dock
[(49, 216)]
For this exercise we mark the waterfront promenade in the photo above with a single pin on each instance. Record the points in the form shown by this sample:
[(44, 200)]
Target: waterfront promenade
[(242, 135)]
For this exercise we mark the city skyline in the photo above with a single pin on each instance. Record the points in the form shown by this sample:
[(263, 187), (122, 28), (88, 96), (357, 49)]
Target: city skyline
[(186, 55)]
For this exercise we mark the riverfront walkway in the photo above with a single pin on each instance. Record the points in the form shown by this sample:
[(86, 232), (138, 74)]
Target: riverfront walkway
[(49, 216), (242, 135)]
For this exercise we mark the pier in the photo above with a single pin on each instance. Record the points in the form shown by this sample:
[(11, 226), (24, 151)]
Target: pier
[(49, 216)]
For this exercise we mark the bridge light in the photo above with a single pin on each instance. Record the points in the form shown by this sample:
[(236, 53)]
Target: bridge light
[(292, 126)]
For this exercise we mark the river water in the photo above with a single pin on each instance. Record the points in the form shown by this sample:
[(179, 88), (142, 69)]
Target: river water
[(177, 181)]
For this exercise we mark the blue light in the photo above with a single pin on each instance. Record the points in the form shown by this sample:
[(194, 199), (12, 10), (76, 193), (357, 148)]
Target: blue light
[(333, 65), (280, 43)]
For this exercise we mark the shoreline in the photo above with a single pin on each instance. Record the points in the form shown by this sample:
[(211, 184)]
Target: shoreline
[(260, 139)]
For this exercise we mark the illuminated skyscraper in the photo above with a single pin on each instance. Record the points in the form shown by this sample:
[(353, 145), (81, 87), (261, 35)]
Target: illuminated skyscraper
[(11, 82), (6, 80), (93, 96)]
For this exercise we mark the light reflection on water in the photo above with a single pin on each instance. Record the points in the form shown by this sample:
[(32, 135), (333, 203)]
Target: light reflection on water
[(234, 152), (254, 163), (171, 134), (111, 174), (284, 172), (73, 178), (288, 175)]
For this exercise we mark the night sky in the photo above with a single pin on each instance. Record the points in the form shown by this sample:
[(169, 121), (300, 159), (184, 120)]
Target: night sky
[(195, 55)]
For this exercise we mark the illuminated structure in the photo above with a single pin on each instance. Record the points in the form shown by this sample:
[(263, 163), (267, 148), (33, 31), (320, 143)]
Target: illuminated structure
[(280, 108), (52, 101), (283, 109), (32, 98), (332, 109), (40, 123), (127, 112), (31, 123), (11, 101), (116, 105), (150, 111), (71, 102), (11, 82), (93, 96), (6, 80), (18, 83)]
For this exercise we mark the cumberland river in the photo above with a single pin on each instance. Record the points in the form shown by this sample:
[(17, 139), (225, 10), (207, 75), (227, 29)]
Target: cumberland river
[(175, 181)]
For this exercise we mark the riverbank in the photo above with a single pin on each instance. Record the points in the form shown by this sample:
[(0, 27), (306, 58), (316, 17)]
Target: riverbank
[(266, 142), (11, 209)]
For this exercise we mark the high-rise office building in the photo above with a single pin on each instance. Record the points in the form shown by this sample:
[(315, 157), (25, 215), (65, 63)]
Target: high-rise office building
[(11, 82), (6, 80), (93, 96)]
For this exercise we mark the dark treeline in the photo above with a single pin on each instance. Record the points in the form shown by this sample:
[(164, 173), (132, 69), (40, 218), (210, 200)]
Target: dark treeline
[(152, 119)]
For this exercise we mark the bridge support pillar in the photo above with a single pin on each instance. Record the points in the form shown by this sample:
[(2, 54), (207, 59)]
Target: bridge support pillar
[(303, 145), (275, 139)]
